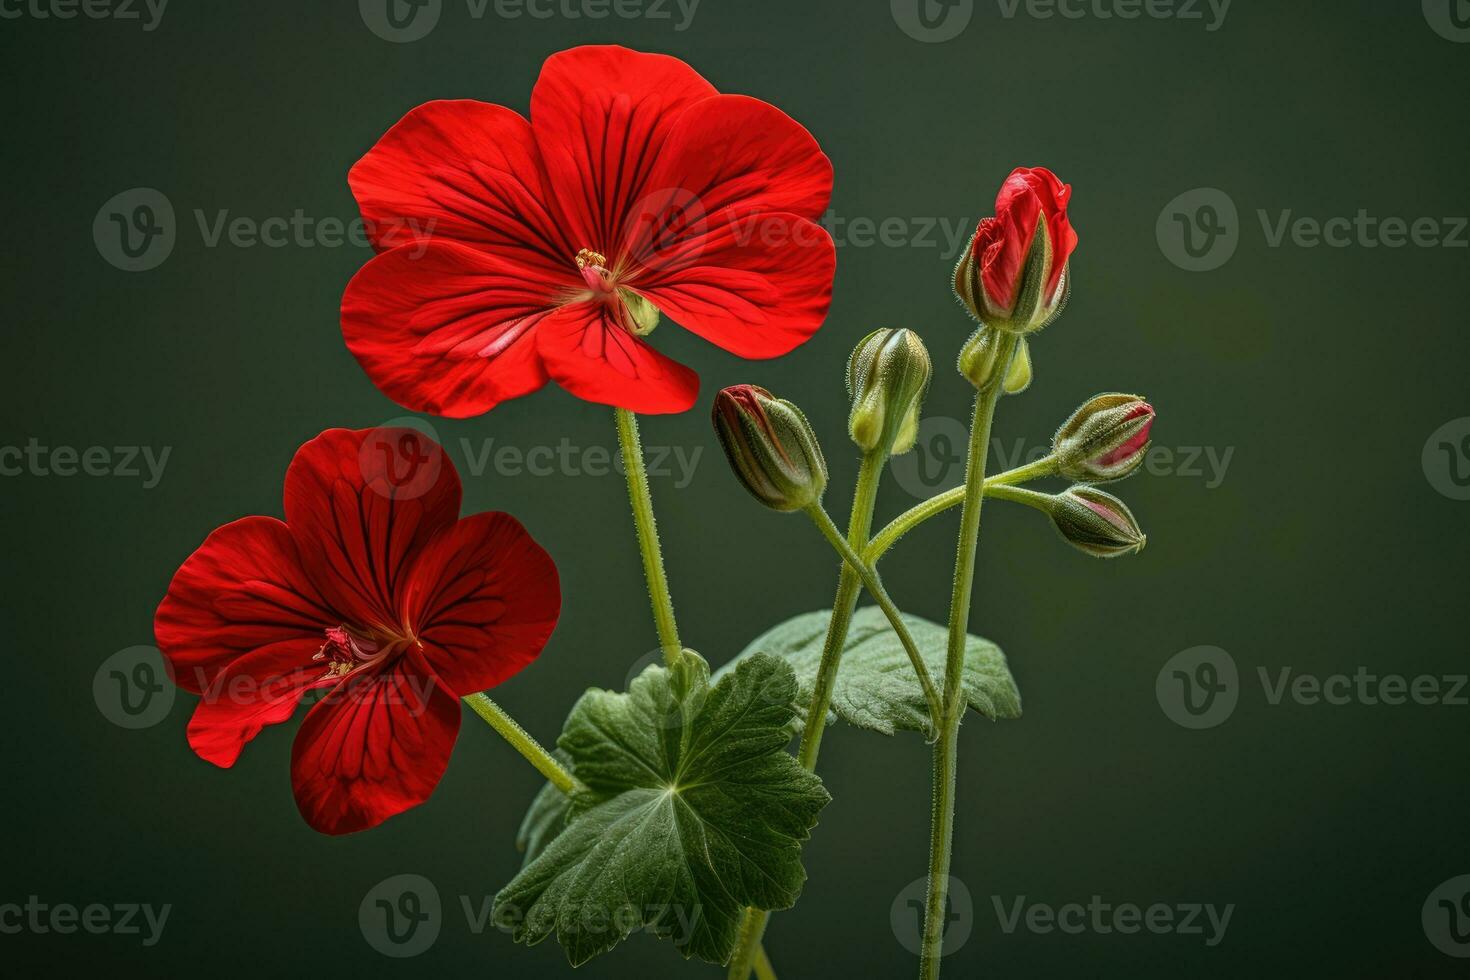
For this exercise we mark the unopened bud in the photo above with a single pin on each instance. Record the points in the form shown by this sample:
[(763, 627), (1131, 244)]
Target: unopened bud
[(887, 377), (1014, 275), (1106, 439), (980, 356), (1018, 376), (1096, 522), (771, 447)]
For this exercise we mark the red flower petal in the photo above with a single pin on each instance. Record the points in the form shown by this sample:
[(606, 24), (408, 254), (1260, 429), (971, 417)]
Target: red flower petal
[(591, 356), (359, 505), (376, 745), (446, 329), (601, 116), (484, 598), (261, 688), (468, 172), (243, 589), (732, 155), (757, 286)]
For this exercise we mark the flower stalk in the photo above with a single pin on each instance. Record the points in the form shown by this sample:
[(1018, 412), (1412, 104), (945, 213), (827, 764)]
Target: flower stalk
[(522, 741), (946, 749), (643, 519), (849, 585)]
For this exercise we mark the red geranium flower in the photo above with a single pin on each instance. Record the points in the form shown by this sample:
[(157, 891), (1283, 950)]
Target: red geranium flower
[(372, 590), (515, 252), (1030, 234)]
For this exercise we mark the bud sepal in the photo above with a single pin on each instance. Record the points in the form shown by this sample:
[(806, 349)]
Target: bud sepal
[(1096, 522), (771, 447), (887, 376), (1106, 439)]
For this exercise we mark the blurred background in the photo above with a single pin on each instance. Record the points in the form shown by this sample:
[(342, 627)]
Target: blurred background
[(1306, 503)]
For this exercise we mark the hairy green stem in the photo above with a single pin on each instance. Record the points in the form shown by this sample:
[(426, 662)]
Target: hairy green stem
[(939, 503), (653, 560), (763, 968), (874, 585), (941, 835), (521, 740), (1020, 495), (849, 585)]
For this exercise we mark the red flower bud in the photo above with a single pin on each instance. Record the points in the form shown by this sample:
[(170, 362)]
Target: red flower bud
[(1105, 439), (771, 447), (1014, 274), (1096, 522)]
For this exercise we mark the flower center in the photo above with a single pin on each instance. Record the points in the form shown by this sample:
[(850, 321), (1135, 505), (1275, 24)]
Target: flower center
[(631, 310), (347, 650), (593, 266)]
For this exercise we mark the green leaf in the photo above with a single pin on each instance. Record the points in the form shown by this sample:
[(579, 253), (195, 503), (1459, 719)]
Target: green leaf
[(876, 687), (546, 817), (694, 811)]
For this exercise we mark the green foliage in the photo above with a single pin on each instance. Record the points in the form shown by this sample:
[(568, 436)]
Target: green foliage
[(876, 687), (694, 810)]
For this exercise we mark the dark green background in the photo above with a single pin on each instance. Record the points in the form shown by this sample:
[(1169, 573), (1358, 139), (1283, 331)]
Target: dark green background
[(1325, 548)]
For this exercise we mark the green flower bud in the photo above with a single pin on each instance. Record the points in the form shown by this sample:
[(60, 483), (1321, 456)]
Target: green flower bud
[(979, 355), (1018, 376), (771, 447), (1096, 522), (1106, 439), (887, 377)]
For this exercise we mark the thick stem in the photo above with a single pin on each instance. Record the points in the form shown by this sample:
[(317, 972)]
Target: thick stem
[(523, 743), (946, 749), (849, 586), (763, 968), (874, 585), (939, 503), (653, 561)]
